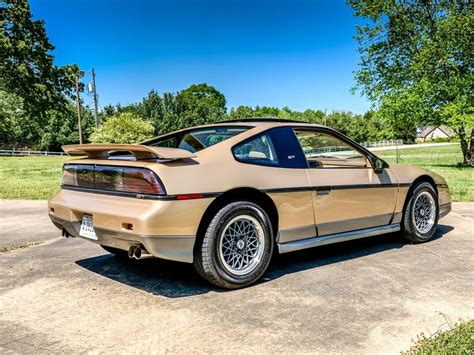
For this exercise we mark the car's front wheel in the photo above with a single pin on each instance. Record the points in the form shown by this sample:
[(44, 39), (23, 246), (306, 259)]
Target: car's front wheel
[(421, 213), (237, 246)]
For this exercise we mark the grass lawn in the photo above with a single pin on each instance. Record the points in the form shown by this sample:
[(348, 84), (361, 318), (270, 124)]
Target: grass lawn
[(37, 178), (30, 178), (444, 160)]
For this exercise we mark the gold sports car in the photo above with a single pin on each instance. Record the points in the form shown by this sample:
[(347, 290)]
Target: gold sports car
[(227, 195)]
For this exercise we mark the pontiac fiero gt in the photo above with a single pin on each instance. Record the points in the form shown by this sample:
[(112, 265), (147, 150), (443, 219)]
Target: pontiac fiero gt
[(226, 196)]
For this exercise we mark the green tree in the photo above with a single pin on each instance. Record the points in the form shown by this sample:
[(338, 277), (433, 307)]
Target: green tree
[(310, 116), (152, 109), (195, 105), (417, 63), (27, 70), (402, 112), (60, 127), (241, 112), (125, 127), (199, 104), (11, 114), (313, 116)]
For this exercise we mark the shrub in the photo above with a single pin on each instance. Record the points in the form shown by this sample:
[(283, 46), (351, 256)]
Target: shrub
[(458, 340), (443, 140), (125, 127)]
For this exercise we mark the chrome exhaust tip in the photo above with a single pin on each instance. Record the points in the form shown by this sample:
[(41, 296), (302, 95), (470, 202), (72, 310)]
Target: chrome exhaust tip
[(131, 251), (135, 252), (138, 252)]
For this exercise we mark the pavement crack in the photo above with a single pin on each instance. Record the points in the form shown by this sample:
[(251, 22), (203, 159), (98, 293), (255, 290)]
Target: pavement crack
[(19, 246), (26, 245), (439, 256)]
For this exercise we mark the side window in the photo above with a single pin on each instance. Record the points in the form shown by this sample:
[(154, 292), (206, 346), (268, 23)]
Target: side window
[(323, 150), (259, 150)]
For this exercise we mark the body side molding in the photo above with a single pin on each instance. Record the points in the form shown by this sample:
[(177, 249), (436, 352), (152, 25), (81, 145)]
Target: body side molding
[(336, 238)]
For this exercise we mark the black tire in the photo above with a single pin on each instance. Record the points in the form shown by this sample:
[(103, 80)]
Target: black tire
[(208, 260), (410, 231), (119, 253)]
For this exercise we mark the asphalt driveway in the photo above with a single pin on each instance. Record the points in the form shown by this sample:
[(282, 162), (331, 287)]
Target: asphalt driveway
[(366, 296)]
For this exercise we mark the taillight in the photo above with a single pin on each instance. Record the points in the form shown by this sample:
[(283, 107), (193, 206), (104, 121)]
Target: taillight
[(69, 176), (78, 175), (141, 181), (113, 178)]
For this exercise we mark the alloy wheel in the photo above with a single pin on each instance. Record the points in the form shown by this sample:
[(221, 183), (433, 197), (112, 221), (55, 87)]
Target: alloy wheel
[(241, 245)]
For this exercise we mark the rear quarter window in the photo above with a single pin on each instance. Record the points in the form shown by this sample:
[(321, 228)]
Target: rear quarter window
[(276, 147), (259, 150)]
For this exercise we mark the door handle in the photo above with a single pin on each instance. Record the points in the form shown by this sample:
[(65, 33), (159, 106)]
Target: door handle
[(320, 191)]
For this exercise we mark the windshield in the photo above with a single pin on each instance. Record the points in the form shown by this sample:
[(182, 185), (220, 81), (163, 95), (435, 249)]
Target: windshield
[(197, 139)]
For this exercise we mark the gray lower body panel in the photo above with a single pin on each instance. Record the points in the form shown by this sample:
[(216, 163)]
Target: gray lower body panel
[(444, 209), (175, 247), (292, 234), (336, 238), (353, 224), (397, 217)]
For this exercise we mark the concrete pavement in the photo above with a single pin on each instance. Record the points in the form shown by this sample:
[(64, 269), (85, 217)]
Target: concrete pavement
[(366, 296), (24, 222)]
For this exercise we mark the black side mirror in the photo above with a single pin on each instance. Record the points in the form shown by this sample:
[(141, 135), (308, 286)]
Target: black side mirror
[(378, 165)]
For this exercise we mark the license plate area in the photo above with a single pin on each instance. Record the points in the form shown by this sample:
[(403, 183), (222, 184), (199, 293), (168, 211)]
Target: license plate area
[(87, 228)]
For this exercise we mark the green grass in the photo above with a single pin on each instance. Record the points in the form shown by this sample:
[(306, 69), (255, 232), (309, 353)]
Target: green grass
[(444, 160), (30, 178), (38, 178), (458, 340)]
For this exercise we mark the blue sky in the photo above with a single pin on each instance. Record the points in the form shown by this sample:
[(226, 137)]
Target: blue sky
[(298, 53)]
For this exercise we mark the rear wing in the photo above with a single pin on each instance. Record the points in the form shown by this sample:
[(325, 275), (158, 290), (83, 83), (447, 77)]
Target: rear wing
[(102, 151)]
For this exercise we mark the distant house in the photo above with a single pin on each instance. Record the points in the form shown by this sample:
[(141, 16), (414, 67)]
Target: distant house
[(427, 133)]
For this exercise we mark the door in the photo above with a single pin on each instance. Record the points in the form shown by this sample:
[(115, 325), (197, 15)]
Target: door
[(274, 163), (347, 193)]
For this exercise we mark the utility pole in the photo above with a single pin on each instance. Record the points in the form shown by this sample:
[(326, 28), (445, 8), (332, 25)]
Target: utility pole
[(94, 93), (325, 115), (78, 104)]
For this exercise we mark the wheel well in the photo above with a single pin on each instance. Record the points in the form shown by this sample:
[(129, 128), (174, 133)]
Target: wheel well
[(239, 194), (422, 178)]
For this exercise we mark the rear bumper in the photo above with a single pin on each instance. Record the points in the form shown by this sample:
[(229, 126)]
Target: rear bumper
[(173, 247), (444, 209), (166, 229)]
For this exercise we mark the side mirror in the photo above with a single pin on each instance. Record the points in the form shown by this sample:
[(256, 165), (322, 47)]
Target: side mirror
[(378, 165)]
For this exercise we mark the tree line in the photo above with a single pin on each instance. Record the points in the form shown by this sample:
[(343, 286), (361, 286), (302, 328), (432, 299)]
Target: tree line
[(416, 68), (202, 103)]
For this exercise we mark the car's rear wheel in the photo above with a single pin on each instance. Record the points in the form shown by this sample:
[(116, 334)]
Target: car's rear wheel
[(237, 246), (122, 254), (421, 214)]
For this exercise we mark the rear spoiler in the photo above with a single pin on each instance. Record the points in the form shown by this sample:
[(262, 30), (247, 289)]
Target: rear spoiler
[(102, 151)]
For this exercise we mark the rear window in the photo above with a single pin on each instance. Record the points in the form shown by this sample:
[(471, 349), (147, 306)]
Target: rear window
[(198, 139)]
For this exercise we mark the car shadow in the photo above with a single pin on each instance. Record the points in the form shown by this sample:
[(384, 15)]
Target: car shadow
[(175, 280), (321, 256)]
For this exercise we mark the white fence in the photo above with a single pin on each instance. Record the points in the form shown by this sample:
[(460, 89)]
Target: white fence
[(330, 149), (389, 143), (30, 152)]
